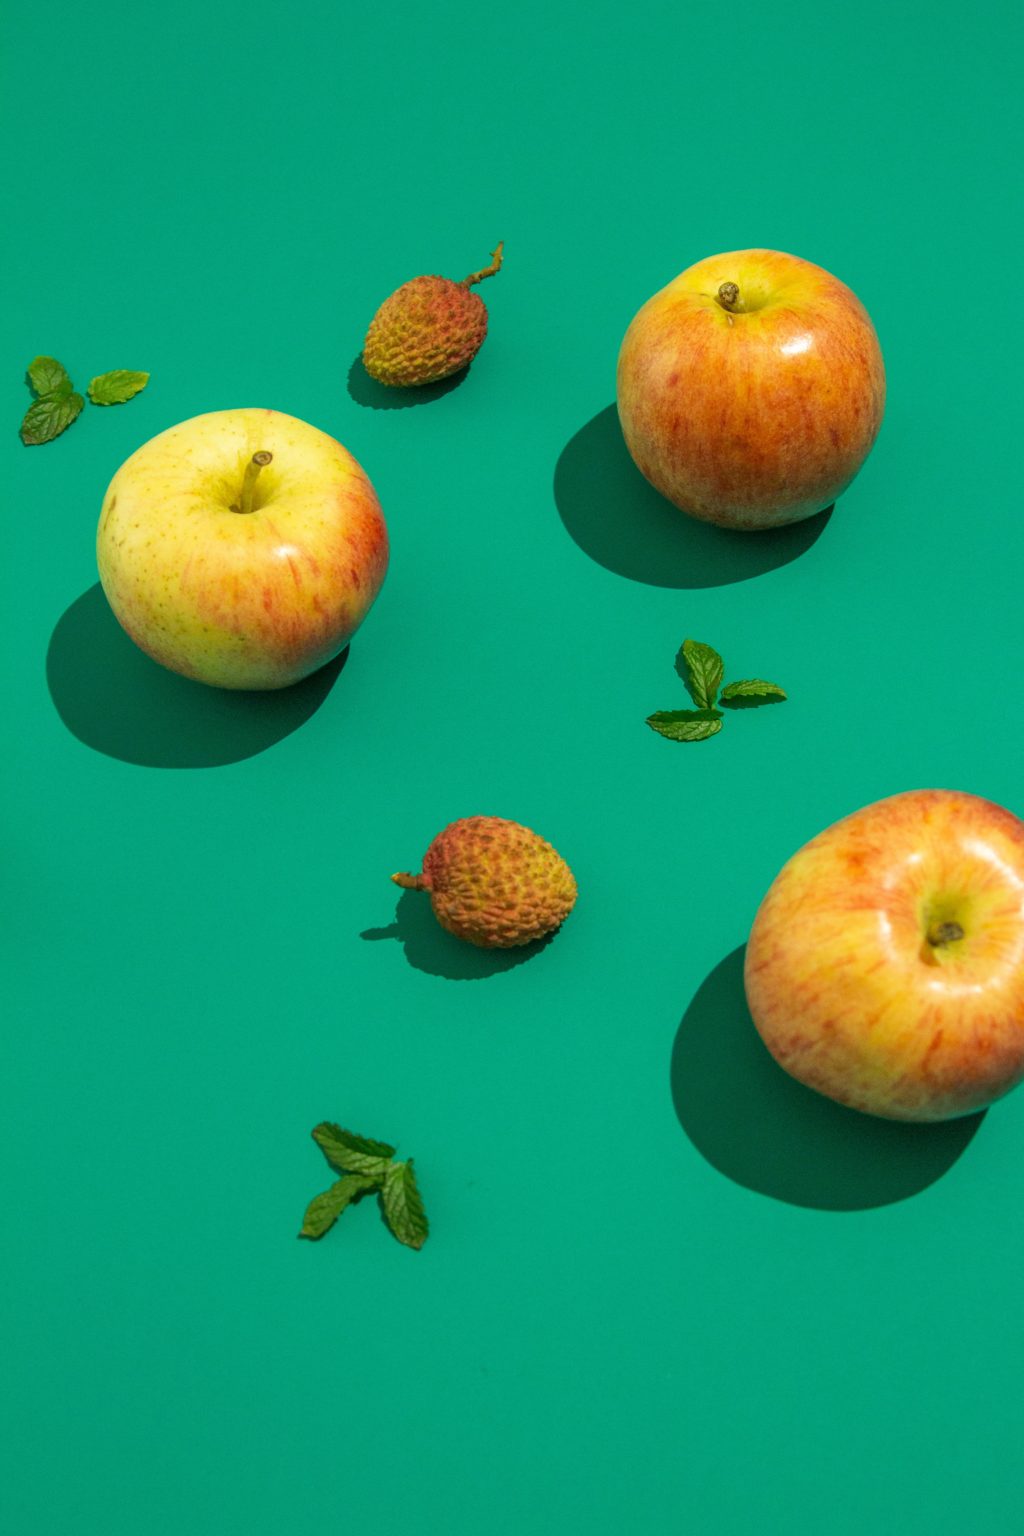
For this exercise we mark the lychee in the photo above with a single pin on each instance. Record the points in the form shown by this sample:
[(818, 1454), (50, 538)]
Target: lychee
[(428, 329), (494, 883)]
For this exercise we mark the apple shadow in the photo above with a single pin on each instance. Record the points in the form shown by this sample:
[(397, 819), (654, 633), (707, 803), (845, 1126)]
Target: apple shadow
[(624, 524), (386, 397), (766, 1131), (118, 701), (431, 948)]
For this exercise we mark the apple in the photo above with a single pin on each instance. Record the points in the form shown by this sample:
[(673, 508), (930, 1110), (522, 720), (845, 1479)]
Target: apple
[(885, 966), (751, 389), (241, 548)]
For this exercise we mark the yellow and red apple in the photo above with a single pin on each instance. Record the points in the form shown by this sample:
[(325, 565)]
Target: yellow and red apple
[(751, 389), (885, 966), (242, 548)]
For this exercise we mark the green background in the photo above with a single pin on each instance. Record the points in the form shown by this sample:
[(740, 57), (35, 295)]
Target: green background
[(662, 1291)]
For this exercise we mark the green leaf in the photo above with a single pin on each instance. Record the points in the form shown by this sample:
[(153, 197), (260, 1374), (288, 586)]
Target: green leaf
[(686, 724), (48, 377), (751, 692), (705, 670), (324, 1210), (48, 417), (117, 387), (351, 1153), (403, 1207)]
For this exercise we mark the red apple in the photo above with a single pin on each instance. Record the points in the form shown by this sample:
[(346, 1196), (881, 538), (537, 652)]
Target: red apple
[(751, 389), (241, 548), (885, 967)]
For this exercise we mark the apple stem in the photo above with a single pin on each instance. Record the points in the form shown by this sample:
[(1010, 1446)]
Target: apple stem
[(940, 934), (411, 882), (729, 297), (478, 277), (252, 469)]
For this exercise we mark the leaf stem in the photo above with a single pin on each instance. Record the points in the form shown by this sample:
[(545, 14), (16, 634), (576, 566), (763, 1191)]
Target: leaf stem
[(410, 882), (478, 277)]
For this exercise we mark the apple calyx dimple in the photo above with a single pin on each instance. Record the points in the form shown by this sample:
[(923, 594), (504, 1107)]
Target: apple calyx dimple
[(729, 297), (495, 266), (941, 934)]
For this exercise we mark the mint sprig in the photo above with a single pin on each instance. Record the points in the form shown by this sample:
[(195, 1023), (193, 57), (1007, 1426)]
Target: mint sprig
[(367, 1167), (703, 670), (59, 405)]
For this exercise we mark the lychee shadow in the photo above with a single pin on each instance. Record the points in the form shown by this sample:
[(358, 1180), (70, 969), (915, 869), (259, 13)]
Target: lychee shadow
[(431, 948), (385, 397), (116, 700), (766, 1131), (620, 521)]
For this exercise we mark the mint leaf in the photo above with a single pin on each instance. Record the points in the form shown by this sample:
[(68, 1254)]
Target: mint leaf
[(351, 1153), (48, 377), (686, 724), (323, 1210), (403, 1207), (117, 387), (752, 691), (705, 670), (48, 417)]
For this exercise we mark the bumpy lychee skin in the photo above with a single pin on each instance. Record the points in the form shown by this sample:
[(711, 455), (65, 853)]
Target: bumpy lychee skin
[(494, 883), (428, 329)]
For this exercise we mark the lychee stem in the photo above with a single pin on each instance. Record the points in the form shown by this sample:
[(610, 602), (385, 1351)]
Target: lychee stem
[(252, 469), (410, 882), (478, 277)]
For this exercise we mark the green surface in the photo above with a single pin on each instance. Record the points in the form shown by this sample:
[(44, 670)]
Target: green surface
[(654, 1299)]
